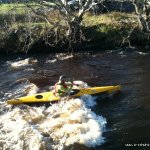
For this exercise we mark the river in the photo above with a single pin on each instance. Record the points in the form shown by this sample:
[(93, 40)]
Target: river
[(108, 123)]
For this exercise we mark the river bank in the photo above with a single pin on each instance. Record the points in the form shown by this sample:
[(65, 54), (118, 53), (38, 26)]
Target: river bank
[(101, 32)]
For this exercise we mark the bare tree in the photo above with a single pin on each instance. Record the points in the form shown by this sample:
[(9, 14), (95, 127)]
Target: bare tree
[(142, 10), (64, 18)]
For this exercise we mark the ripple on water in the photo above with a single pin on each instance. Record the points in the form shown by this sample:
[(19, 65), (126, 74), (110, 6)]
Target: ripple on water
[(21, 87)]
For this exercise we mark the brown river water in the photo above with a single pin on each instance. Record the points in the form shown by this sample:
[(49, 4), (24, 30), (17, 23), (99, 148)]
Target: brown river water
[(117, 122)]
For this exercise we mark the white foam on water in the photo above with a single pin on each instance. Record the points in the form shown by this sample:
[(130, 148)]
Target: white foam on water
[(89, 100), (16, 133), (63, 56), (141, 53), (22, 63), (60, 56), (51, 61), (60, 125)]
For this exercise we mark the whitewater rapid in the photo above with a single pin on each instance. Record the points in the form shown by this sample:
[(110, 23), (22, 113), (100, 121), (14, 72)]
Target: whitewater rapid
[(63, 124), (60, 125)]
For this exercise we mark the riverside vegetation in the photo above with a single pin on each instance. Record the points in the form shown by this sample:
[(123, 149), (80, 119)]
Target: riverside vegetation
[(22, 32)]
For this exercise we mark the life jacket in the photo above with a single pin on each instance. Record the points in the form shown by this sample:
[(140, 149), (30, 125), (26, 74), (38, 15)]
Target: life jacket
[(60, 92)]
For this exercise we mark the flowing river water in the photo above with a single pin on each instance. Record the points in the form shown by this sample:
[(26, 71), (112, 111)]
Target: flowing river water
[(87, 123)]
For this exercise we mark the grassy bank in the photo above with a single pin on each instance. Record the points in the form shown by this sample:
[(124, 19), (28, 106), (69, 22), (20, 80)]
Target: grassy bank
[(114, 30), (103, 31)]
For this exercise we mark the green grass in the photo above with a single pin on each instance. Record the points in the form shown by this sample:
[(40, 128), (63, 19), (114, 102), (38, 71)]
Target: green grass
[(18, 8), (6, 8), (21, 12), (114, 18)]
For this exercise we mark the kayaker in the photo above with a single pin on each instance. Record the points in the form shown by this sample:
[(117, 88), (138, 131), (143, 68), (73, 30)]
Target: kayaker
[(62, 87)]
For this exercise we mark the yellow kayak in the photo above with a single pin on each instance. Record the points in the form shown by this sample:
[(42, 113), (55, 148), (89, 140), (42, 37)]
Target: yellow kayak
[(50, 96)]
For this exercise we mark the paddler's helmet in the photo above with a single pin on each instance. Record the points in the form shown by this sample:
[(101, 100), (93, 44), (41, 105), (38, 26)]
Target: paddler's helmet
[(62, 78)]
